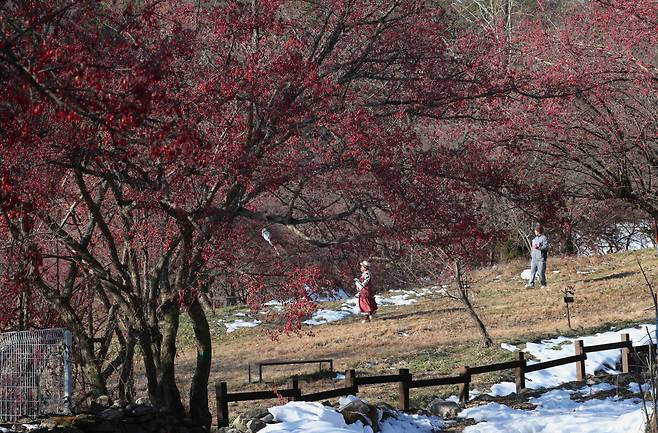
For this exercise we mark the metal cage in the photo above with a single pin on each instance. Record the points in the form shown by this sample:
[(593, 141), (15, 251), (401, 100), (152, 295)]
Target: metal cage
[(35, 373)]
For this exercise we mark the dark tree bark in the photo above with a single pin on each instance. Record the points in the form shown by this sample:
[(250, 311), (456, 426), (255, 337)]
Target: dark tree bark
[(90, 369), (24, 308), (168, 395), (126, 376), (199, 390)]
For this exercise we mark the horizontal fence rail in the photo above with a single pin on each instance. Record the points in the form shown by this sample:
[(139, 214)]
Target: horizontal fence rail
[(608, 346), (406, 382), (437, 381), (495, 367), (262, 364), (377, 380), (332, 393), (554, 363)]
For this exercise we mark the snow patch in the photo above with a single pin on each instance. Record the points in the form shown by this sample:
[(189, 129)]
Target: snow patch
[(326, 316), (231, 327), (509, 347), (502, 389), (562, 347), (526, 274), (303, 417), (636, 388), (557, 412)]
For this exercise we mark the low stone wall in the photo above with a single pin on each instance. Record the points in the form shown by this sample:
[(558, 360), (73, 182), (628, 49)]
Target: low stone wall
[(103, 417)]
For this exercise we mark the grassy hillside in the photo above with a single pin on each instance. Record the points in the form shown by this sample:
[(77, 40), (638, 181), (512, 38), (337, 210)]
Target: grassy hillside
[(435, 336)]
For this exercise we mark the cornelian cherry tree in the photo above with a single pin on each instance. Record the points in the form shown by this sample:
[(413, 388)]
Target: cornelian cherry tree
[(142, 147), (585, 100)]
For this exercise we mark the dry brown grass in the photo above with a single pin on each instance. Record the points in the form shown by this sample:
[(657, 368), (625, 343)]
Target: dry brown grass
[(440, 334)]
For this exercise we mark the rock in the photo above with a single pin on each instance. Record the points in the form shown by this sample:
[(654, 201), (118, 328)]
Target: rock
[(359, 410), (240, 423), (104, 426), (143, 410), (103, 400), (48, 424), (112, 414), (352, 417), (387, 411), (120, 403), (255, 425), (85, 420), (56, 430), (268, 418), (146, 419), (95, 408), (443, 408), (143, 401), (256, 412), (65, 409)]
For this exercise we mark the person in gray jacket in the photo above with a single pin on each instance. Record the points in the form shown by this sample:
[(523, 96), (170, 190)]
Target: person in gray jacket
[(538, 254)]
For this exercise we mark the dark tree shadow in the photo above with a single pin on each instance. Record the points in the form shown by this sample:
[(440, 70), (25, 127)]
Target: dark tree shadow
[(610, 277)]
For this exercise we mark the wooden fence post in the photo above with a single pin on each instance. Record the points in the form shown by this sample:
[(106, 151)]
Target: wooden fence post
[(580, 365), (350, 380), (405, 385), (464, 386), (626, 355), (519, 373), (293, 384), (222, 404)]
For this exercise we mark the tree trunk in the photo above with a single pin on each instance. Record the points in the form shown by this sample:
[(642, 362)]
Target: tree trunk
[(569, 247), (126, 376), (168, 395), (199, 390), (486, 338), (90, 369), (206, 303), (463, 294), (144, 339), (24, 301)]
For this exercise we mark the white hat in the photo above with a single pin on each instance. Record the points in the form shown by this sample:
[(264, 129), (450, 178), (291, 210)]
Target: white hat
[(365, 263)]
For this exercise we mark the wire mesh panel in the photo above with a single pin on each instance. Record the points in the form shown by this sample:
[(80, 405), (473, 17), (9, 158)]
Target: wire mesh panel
[(34, 372)]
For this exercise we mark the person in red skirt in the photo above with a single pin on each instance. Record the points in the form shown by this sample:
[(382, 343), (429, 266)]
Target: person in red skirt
[(367, 303)]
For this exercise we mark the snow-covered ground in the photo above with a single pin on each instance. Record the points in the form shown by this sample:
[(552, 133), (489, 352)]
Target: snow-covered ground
[(302, 417), (562, 347), (349, 308), (556, 411), (230, 327)]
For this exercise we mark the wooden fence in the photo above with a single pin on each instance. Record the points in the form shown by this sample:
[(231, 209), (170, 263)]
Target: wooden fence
[(406, 382)]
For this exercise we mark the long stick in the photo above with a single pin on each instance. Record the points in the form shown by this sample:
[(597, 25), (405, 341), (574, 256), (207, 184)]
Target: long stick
[(653, 296)]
